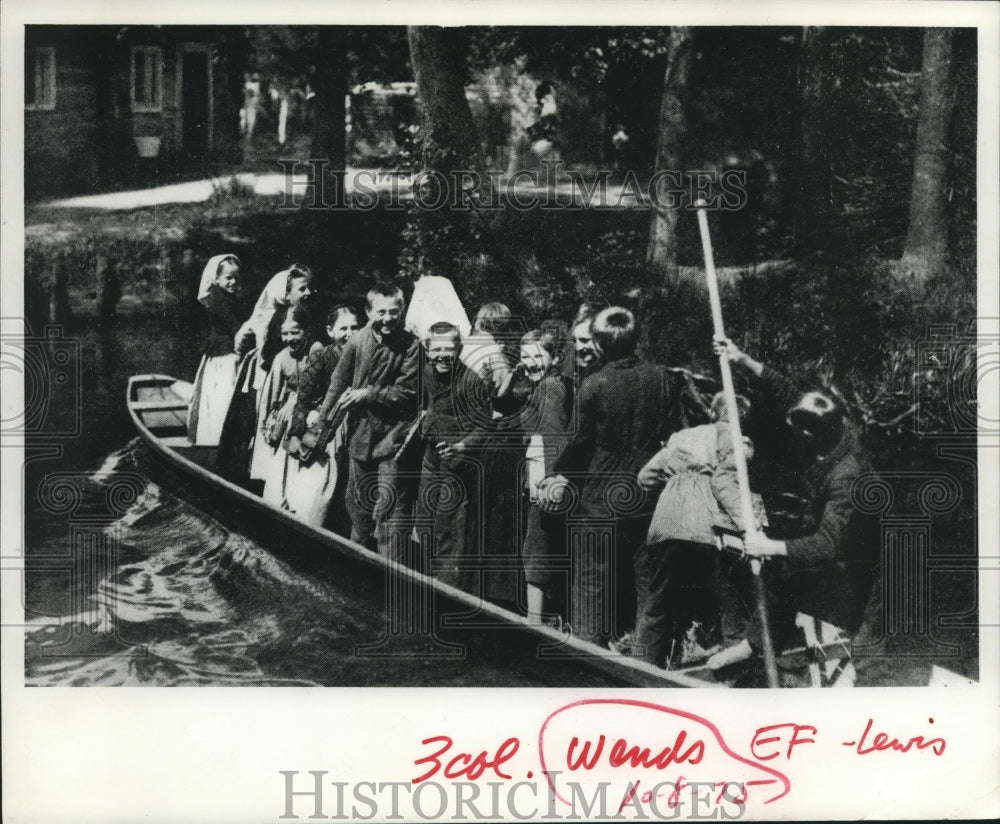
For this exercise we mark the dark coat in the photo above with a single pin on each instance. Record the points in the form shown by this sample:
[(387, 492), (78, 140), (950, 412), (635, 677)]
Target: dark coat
[(840, 543), (450, 503), (314, 382), (626, 409), (548, 412), (835, 558), (226, 312), (458, 406), (388, 366)]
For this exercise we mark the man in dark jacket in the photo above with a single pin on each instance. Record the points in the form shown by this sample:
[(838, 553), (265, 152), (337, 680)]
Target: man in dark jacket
[(626, 409), (828, 570), (376, 381)]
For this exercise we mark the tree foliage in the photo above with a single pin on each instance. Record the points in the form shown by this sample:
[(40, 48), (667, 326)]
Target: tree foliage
[(371, 53)]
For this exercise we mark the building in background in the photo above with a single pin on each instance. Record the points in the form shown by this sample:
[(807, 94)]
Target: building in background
[(106, 106)]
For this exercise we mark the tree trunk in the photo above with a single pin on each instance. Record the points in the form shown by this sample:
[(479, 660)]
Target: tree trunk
[(329, 140), (661, 251), (812, 194), (926, 249), (448, 135), (444, 241)]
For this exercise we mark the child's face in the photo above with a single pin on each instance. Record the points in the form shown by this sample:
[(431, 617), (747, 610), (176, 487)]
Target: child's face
[(300, 292), (228, 277), (536, 360), (385, 313), (441, 352), (341, 330), (292, 335)]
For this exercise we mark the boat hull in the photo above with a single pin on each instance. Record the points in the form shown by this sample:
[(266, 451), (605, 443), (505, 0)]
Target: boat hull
[(424, 618)]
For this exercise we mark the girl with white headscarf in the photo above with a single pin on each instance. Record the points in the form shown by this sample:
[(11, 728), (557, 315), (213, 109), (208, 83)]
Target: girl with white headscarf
[(219, 293), (261, 335)]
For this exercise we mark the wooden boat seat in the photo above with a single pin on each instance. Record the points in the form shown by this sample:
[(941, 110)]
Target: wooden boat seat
[(162, 406), (177, 442)]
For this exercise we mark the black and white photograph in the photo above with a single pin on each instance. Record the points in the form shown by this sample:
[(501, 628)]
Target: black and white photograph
[(401, 351)]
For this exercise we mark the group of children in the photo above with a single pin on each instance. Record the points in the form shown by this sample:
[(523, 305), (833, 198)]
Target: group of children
[(548, 470)]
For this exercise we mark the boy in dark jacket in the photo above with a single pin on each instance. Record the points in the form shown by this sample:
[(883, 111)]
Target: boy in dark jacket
[(376, 381), (456, 410), (626, 409)]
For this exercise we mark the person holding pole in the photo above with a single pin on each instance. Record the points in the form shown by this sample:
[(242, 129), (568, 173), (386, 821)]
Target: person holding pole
[(679, 575), (739, 458), (828, 571)]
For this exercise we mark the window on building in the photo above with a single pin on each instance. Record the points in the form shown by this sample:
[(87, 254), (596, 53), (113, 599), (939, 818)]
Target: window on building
[(40, 78), (147, 79)]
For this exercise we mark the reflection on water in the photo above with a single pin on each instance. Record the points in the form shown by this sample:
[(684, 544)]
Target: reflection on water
[(168, 596), (168, 615)]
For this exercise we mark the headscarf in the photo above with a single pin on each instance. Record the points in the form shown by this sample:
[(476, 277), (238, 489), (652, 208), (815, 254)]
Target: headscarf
[(434, 299), (210, 272), (271, 299)]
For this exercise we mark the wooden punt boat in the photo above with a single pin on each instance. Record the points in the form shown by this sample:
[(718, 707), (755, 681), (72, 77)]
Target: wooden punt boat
[(450, 620), (449, 617)]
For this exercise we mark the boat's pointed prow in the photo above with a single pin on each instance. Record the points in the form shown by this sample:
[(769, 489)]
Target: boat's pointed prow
[(159, 405)]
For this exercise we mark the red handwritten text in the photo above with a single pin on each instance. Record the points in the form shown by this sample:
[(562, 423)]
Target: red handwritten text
[(881, 742), (464, 764), (621, 753), (638, 741), (770, 735)]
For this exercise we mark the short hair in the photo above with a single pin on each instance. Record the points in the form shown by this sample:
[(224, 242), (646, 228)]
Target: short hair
[(297, 313), (384, 289), (719, 411), (615, 332), (820, 418), (442, 328), (341, 309), (548, 340), (492, 317)]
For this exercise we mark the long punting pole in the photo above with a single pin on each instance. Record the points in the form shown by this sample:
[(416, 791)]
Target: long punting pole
[(743, 480)]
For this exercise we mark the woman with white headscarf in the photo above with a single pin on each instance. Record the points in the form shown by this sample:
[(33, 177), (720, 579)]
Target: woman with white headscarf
[(219, 293)]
